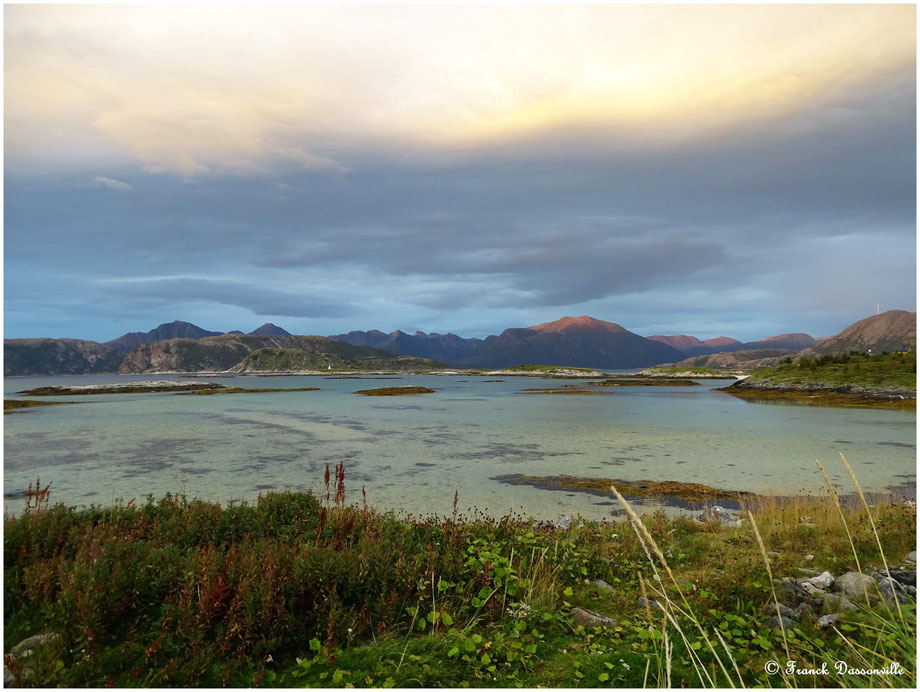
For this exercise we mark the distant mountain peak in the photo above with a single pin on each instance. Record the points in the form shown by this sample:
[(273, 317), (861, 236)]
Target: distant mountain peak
[(581, 324), (681, 342), (176, 329), (720, 341), (269, 329)]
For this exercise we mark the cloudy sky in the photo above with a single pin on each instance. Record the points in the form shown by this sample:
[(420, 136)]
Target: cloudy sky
[(735, 170)]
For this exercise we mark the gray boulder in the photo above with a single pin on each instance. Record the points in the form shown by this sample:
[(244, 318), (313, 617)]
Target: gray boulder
[(891, 591), (602, 585), (651, 603), (854, 584), (828, 620), (28, 645), (836, 603), (790, 589), (563, 522), (774, 622), (904, 577), (589, 618), (822, 582)]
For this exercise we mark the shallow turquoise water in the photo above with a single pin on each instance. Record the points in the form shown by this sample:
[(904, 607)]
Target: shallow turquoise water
[(412, 452)]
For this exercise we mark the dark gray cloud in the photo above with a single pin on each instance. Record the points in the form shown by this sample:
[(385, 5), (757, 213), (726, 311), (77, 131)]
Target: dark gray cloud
[(164, 293), (797, 223)]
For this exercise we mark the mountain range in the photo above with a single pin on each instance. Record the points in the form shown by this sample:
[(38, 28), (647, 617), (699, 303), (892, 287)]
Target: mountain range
[(571, 341)]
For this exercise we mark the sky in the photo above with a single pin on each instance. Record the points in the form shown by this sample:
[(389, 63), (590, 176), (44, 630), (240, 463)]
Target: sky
[(704, 170)]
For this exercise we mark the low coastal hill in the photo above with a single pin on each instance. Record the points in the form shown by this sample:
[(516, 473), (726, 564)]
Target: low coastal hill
[(894, 330), (248, 353), (58, 357), (737, 360), (448, 348)]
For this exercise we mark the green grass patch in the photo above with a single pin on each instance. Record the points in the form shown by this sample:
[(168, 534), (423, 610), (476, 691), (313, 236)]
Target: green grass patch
[(896, 371)]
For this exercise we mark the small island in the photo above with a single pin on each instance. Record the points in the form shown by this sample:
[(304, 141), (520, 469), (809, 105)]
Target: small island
[(152, 387), (859, 380), (395, 391), (697, 373)]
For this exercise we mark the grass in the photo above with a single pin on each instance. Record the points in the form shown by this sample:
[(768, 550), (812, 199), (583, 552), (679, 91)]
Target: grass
[(395, 391), (690, 492), (894, 371), (300, 590), (10, 405)]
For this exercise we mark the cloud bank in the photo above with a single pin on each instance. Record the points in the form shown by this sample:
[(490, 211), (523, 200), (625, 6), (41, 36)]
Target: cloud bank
[(737, 170)]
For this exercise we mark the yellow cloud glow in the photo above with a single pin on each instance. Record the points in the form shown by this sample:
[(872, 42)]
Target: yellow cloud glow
[(212, 89)]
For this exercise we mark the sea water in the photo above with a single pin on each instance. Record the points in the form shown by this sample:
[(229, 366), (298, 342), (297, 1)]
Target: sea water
[(412, 453)]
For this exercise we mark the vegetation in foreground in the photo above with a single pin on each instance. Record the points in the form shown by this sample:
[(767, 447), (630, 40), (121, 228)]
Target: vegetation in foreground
[(302, 591)]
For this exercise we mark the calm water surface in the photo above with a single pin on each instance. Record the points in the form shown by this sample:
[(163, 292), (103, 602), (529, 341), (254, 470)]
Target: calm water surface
[(412, 452)]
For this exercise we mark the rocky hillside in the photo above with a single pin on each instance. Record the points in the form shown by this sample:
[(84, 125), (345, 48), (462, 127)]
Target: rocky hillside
[(447, 348), (737, 360), (230, 351), (169, 330), (572, 341), (895, 330), (57, 357), (299, 360)]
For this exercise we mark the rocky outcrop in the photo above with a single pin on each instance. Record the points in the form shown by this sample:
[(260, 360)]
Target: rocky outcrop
[(589, 618), (827, 599), (860, 391)]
